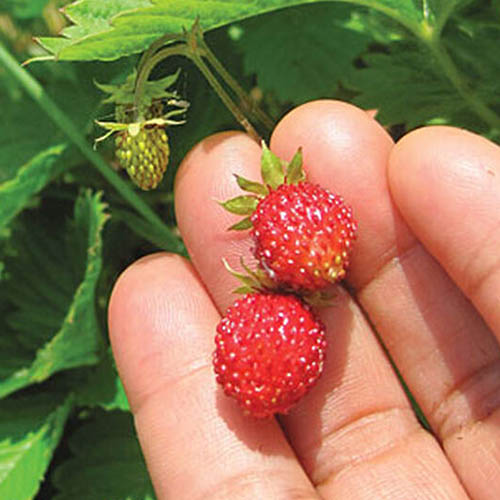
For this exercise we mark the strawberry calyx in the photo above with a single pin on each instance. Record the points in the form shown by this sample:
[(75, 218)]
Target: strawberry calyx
[(124, 94), (252, 281), (151, 112), (303, 234), (274, 172), (258, 281)]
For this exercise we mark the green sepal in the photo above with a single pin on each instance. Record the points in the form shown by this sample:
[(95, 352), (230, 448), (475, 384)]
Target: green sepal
[(123, 94), (294, 171), (271, 168), (243, 224), (320, 299), (251, 186), (248, 281), (259, 276), (241, 205), (253, 281)]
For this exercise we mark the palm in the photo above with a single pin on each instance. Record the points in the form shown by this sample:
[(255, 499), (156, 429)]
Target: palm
[(426, 275)]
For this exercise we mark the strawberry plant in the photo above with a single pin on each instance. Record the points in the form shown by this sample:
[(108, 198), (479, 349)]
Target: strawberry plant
[(166, 74)]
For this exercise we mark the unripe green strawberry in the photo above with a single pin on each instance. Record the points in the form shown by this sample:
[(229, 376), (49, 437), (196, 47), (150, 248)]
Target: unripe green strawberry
[(141, 143), (144, 155)]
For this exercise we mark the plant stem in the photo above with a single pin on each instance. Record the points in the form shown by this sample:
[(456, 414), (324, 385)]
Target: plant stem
[(36, 91), (248, 103), (147, 65), (192, 45), (226, 99), (453, 74), (156, 45), (183, 49)]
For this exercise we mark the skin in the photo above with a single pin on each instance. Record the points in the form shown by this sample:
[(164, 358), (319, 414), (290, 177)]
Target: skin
[(425, 273)]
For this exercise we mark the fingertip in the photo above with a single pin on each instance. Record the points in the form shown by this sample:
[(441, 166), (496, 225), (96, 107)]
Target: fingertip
[(125, 293), (345, 150), (149, 302), (206, 175), (439, 153), (208, 159), (321, 123), (446, 184)]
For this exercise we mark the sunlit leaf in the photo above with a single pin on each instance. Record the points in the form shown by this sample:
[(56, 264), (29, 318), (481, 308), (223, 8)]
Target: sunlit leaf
[(30, 429), (29, 180), (126, 27)]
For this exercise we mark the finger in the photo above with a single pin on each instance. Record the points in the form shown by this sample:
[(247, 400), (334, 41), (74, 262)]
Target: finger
[(436, 338), (196, 445), (205, 177), (357, 419), (446, 183), (461, 183)]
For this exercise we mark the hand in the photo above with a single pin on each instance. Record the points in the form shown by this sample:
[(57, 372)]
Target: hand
[(425, 274)]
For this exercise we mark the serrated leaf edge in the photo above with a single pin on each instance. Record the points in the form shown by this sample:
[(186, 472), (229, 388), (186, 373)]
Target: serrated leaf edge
[(40, 369)]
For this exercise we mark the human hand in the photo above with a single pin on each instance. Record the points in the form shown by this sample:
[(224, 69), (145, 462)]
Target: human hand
[(425, 273)]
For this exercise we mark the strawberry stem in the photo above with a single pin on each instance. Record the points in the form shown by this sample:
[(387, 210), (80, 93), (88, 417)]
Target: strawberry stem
[(192, 45), (249, 104), (146, 66)]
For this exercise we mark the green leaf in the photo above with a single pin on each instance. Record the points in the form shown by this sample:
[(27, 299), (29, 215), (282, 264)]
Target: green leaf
[(51, 323), (89, 17), (241, 205), (24, 9), (271, 168), (452, 79), (294, 171), (437, 12), (242, 225), (30, 429), (466, 40), (307, 50), (103, 387), (107, 463), (126, 27), (153, 89), (29, 180), (405, 87), (22, 138), (25, 128), (251, 186)]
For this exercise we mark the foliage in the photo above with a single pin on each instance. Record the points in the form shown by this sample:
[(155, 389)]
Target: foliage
[(70, 223)]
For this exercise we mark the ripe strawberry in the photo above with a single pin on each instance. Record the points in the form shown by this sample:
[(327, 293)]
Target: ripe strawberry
[(269, 352), (303, 234)]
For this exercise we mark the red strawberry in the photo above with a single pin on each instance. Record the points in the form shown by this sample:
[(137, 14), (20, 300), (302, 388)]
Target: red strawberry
[(303, 234), (269, 352)]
